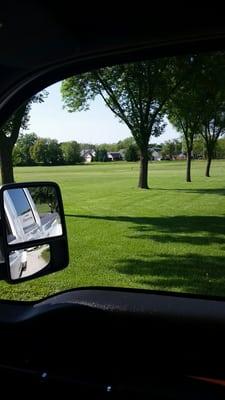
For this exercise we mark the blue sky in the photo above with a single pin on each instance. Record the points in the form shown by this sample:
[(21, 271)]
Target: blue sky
[(98, 125)]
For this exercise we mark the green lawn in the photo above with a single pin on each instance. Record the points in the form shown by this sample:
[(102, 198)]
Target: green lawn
[(171, 237)]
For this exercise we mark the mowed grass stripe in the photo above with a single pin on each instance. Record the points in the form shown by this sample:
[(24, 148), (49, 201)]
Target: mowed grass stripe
[(171, 237)]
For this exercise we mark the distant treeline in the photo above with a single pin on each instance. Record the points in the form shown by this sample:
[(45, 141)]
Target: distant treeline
[(33, 150)]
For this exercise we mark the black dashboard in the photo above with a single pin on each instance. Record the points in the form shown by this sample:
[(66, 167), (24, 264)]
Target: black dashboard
[(108, 342)]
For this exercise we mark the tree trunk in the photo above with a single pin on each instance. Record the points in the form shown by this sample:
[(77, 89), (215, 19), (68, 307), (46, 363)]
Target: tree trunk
[(209, 160), (143, 176), (6, 163), (188, 168), (7, 144), (210, 146)]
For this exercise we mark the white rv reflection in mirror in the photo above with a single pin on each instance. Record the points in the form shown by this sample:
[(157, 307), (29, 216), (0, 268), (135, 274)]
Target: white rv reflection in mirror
[(27, 262), (32, 213)]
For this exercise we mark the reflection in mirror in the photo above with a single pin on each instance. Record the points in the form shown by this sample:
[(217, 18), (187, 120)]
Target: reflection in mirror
[(29, 261), (32, 213)]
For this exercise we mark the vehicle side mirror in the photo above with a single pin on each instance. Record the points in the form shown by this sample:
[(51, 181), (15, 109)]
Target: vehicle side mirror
[(34, 239)]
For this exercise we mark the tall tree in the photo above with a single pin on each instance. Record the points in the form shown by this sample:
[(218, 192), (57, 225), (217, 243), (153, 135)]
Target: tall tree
[(9, 133), (212, 130), (136, 93), (198, 107), (212, 93), (189, 125), (8, 137), (184, 109)]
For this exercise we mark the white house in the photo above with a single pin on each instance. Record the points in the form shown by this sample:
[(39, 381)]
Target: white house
[(88, 155), (156, 155), (87, 158)]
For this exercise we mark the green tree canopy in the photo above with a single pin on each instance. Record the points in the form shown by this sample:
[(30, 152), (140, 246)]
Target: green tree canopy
[(171, 149), (131, 153), (220, 148), (212, 92), (136, 93), (71, 152), (9, 133), (184, 109), (47, 152), (107, 146), (101, 155), (21, 151), (125, 143), (198, 107)]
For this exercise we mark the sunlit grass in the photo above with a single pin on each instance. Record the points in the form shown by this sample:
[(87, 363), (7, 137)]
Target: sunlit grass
[(171, 237)]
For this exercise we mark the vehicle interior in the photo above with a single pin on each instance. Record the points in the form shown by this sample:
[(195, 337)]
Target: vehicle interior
[(104, 342)]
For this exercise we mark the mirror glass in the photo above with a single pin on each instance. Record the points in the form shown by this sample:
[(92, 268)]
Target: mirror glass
[(29, 261), (32, 213)]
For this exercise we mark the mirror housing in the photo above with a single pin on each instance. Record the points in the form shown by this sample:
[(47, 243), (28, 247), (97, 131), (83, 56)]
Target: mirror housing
[(33, 230)]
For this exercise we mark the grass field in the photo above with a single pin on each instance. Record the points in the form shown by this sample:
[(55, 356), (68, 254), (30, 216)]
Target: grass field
[(171, 237)]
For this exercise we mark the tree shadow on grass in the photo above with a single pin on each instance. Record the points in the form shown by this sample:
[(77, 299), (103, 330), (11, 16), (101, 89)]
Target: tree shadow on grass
[(195, 230), (188, 273), (220, 192), (193, 240), (181, 222)]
